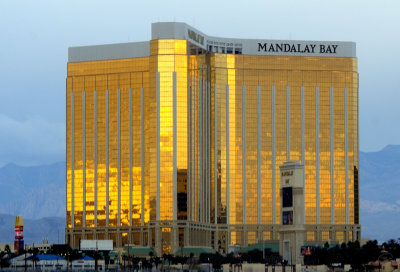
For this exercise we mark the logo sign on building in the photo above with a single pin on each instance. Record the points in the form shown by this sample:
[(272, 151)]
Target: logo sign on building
[(287, 173), (297, 48), (195, 36)]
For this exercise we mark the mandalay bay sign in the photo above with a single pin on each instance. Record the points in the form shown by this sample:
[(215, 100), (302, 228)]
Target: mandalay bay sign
[(297, 48)]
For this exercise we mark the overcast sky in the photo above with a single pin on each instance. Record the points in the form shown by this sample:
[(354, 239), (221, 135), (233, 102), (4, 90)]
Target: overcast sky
[(35, 36)]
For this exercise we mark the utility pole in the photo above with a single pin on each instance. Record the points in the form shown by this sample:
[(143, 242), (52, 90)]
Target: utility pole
[(95, 258), (129, 258), (25, 260), (67, 259), (263, 248)]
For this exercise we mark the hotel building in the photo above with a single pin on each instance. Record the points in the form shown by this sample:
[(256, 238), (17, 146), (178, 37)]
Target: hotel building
[(177, 141)]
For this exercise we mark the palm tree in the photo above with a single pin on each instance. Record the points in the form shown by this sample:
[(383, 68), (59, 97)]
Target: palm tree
[(7, 250)]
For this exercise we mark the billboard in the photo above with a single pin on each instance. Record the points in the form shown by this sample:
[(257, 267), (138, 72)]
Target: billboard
[(96, 245), (287, 218), (307, 250)]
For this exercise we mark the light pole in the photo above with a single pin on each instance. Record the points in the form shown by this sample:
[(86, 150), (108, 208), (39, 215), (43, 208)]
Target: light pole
[(263, 249), (129, 258)]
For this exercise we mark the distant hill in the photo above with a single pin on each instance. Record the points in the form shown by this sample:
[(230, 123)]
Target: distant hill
[(35, 230), (39, 192)]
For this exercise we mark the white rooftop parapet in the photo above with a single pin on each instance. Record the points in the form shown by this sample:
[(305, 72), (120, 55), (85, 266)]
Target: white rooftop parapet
[(176, 30)]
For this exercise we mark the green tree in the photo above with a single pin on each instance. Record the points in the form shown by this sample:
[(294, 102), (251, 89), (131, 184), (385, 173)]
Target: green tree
[(371, 251), (253, 256)]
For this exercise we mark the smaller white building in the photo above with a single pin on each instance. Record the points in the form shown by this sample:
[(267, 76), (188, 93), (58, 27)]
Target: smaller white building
[(44, 262)]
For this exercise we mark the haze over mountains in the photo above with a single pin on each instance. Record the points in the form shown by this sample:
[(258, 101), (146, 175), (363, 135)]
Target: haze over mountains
[(34, 192), (38, 194), (380, 193)]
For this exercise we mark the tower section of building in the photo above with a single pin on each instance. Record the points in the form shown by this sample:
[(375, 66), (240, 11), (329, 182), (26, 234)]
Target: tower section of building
[(273, 109), (106, 180)]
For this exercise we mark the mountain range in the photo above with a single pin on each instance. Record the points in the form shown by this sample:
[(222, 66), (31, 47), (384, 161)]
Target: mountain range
[(38, 194), (35, 230), (380, 193), (34, 192)]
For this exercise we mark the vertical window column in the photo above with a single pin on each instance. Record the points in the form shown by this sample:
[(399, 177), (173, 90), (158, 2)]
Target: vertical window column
[(258, 154), (303, 142), (190, 148), (72, 162), (332, 151), (227, 156), (244, 152), (119, 154), (141, 152), (84, 159), (107, 162), (346, 151), (95, 156), (208, 147), (201, 149), (287, 123), (198, 156), (131, 159), (273, 158), (158, 145), (174, 148), (317, 151), (215, 155)]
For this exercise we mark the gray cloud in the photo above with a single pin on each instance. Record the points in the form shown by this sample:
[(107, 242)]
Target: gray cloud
[(33, 141)]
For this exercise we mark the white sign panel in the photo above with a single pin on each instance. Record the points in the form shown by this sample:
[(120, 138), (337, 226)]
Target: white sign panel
[(96, 245)]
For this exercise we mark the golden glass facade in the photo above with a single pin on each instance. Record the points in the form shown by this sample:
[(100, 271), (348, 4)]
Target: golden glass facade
[(178, 136)]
